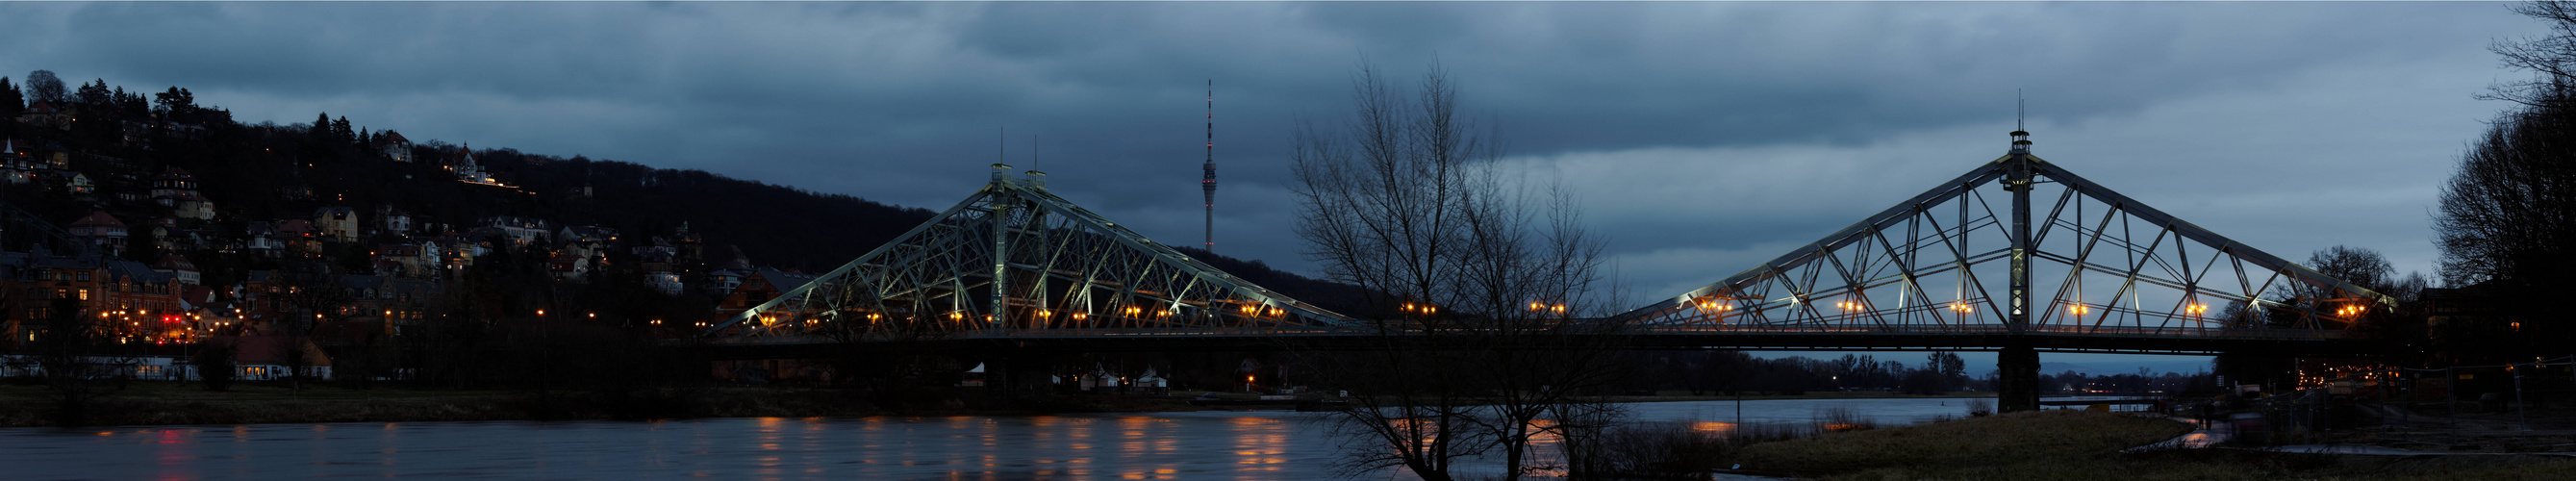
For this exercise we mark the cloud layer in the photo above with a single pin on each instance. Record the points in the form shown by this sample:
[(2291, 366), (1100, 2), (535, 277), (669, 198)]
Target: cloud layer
[(1704, 137)]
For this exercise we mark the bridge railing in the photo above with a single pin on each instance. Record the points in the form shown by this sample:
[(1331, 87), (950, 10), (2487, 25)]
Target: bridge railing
[(1871, 330), (1995, 329)]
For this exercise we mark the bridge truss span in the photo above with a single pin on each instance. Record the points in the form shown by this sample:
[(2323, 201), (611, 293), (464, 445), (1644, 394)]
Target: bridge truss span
[(1969, 257), (1015, 257)]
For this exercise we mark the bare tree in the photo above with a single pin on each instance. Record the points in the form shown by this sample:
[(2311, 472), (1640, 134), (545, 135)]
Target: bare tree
[(1476, 283), (43, 86), (215, 362), (2508, 211), (316, 301), (2551, 58), (77, 358)]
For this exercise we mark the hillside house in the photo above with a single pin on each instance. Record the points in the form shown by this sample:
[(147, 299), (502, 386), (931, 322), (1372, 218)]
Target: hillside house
[(184, 130), (262, 239), (569, 267), (587, 234), (466, 168), (46, 114), (74, 182), (300, 237), (17, 153), (193, 206), (759, 285), (132, 301), (390, 299), (457, 251), (336, 223), (393, 146), (137, 290), (136, 133), (270, 357), (390, 220), (177, 189), (520, 230), (172, 183), (178, 268), (102, 231), (17, 161), (664, 282), (721, 282), (407, 260), (31, 281)]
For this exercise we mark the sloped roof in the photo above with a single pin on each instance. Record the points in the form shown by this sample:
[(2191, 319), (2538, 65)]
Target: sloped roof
[(175, 262), (783, 280), (271, 350), (139, 272), (98, 219), (360, 281)]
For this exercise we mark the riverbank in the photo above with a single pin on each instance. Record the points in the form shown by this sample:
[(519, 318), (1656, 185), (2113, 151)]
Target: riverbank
[(173, 403), (2079, 445), (1685, 396)]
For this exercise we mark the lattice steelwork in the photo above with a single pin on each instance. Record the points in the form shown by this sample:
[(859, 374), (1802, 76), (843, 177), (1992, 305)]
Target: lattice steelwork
[(1968, 257), (1055, 265)]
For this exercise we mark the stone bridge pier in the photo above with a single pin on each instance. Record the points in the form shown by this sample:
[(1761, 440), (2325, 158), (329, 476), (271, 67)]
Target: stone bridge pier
[(2017, 379)]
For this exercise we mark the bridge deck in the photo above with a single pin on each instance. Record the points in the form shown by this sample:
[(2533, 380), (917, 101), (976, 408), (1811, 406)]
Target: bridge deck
[(1889, 337)]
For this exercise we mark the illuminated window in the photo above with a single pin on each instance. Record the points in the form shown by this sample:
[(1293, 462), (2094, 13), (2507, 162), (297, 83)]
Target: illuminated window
[(84, 293)]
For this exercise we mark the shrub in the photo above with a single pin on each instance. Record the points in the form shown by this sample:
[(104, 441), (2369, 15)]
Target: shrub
[(1842, 419)]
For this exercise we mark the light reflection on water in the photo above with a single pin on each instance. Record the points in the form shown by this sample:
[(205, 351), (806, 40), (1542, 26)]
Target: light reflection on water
[(1265, 445)]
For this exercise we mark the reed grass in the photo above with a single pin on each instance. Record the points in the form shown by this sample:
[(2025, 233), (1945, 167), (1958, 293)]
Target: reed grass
[(2077, 445), (1990, 440)]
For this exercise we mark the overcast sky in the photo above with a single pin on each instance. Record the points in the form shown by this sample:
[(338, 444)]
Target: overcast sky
[(1703, 138)]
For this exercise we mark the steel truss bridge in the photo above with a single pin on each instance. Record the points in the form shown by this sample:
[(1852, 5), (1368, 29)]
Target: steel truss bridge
[(2018, 255)]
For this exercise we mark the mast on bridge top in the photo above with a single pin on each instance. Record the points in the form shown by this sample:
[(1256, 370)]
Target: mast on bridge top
[(2020, 138)]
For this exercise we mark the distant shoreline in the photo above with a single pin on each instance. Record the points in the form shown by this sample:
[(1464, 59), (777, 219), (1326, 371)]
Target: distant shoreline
[(150, 403)]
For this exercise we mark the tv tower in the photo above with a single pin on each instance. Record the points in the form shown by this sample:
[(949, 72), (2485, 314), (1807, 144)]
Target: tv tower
[(1207, 184)]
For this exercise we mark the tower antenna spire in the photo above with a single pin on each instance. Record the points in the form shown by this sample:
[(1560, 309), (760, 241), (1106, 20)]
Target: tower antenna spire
[(2020, 138), (1207, 182)]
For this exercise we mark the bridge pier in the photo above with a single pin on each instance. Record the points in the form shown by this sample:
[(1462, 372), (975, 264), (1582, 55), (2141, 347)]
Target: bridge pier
[(2017, 379)]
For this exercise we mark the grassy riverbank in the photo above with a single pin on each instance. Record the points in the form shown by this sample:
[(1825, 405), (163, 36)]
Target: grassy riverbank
[(2078, 445), (1685, 396), (156, 403)]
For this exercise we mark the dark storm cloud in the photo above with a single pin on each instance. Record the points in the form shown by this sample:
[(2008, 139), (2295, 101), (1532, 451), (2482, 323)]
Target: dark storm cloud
[(1705, 136)]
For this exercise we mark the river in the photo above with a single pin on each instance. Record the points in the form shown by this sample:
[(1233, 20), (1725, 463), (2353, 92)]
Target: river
[(1233, 445)]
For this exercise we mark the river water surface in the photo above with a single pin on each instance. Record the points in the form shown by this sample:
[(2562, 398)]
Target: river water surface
[(1254, 445)]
